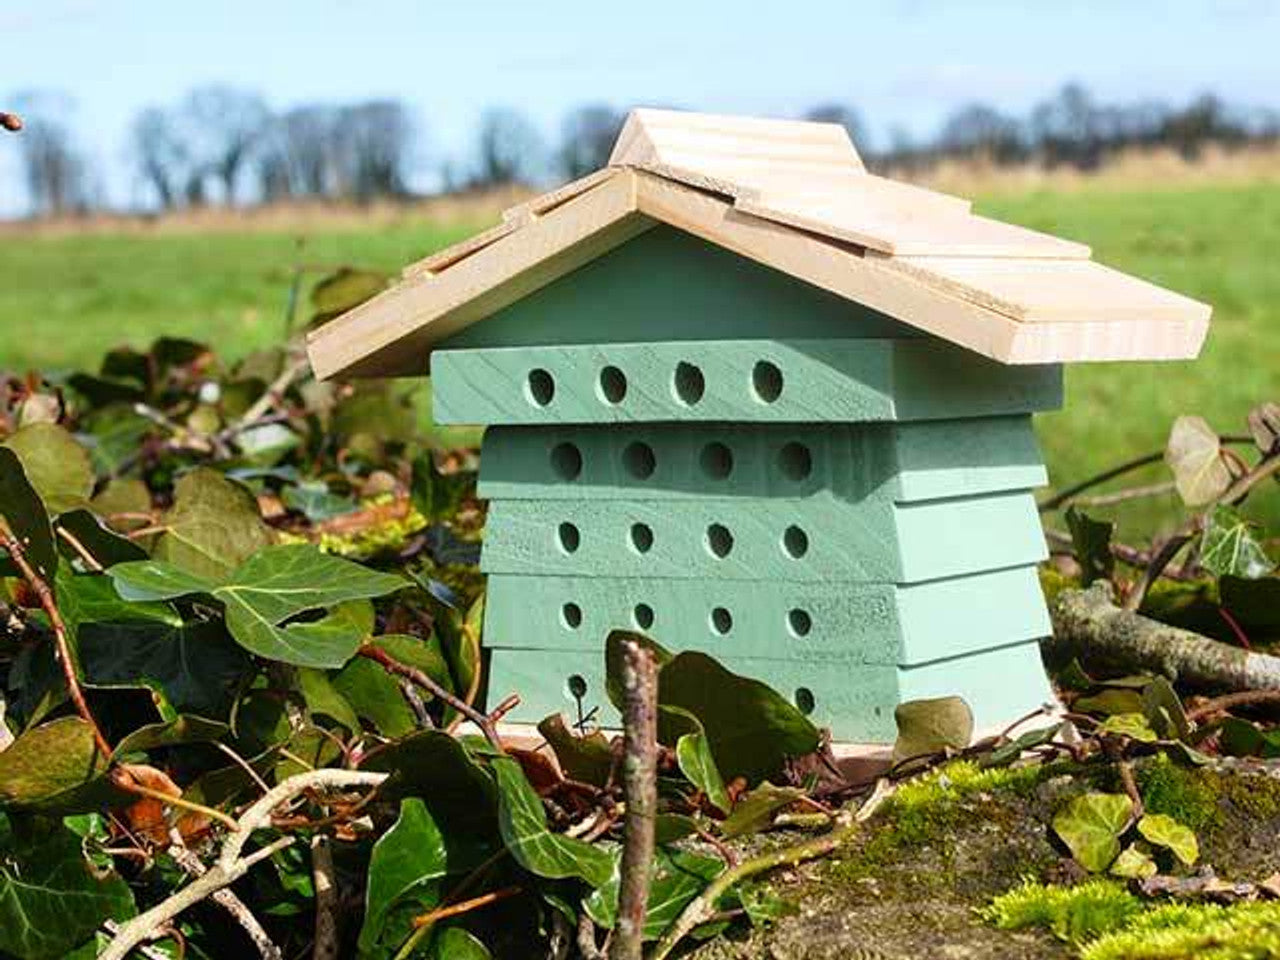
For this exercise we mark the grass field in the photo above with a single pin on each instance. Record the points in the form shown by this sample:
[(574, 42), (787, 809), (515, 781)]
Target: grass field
[(66, 299)]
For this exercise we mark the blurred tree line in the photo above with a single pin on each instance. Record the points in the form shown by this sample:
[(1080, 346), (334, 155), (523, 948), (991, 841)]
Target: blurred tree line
[(220, 145)]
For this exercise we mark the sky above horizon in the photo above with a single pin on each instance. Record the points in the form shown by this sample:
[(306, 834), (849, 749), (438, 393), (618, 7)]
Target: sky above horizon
[(905, 63)]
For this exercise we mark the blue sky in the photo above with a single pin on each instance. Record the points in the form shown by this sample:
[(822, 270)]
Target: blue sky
[(906, 62)]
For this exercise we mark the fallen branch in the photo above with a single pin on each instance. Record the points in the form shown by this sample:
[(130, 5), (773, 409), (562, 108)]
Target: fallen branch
[(326, 886), (702, 908), (226, 898), (232, 864), (640, 787), (1088, 625)]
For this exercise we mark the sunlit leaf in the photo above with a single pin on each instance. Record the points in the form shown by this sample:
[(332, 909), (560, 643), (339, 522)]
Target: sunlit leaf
[(693, 754), (212, 527), (1091, 826), (45, 764), (1133, 864), (1194, 454), (1164, 831), (1131, 725), (931, 726), (586, 758), (55, 464), (1230, 549), (677, 876), (755, 809)]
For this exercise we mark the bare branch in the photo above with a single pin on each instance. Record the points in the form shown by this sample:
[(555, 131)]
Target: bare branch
[(640, 786)]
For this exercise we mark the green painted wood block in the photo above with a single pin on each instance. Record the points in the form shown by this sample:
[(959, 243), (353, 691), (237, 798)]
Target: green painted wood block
[(926, 460), (819, 624), (855, 701), (820, 538), (743, 381), (669, 285)]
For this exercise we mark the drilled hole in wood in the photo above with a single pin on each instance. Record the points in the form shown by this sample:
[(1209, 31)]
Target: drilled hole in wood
[(689, 383), (716, 460), (804, 700), (643, 616), (795, 542), (613, 385), (766, 380), (721, 620), (571, 614), (566, 461), (569, 537), (799, 622), (719, 540), (795, 461), (642, 537), (540, 388), (639, 460)]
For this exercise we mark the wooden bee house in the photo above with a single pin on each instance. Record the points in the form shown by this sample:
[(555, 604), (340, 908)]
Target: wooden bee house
[(750, 399)]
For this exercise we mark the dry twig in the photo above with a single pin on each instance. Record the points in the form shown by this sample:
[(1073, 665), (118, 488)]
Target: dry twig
[(640, 787)]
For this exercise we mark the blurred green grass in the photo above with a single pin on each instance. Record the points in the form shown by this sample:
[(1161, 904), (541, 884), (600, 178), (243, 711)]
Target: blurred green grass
[(67, 299)]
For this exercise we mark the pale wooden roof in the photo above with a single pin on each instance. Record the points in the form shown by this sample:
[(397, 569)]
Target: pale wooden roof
[(796, 197)]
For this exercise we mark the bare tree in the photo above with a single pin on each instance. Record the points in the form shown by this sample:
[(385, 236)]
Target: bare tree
[(55, 173), (295, 158), (161, 155), (587, 138), (372, 150), (979, 130), (509, 149), (220, 126)]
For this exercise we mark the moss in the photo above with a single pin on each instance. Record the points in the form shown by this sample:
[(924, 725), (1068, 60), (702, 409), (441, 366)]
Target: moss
[(1258, 797), (1074, 914), (1242, 931), (1188, 794)]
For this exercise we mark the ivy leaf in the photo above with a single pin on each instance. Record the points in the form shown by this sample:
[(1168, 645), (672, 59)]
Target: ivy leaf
[(45, 766), (213, 526), (1011, 751), (755, 809), (751, 729), (343, 289), (57, 467), (1091, 542), (405, 870), (1264, 427), (931, 726), (23, 513), (322, 698), (457, 943), (104, 545), (676, 877), (1194, 454), (585, 758), (1091, 826), (1131, 725), (272, 587), (186, 728), (459, 638), (1229, 548), (1164, 711), (437, 768), (51, 898), (1133, 864), (523, 824), (1164, 831), (693, 755)]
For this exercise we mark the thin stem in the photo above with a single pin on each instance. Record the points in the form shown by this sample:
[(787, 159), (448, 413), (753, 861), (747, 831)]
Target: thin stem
[(36, 582), (1245, 698), (121, 778)]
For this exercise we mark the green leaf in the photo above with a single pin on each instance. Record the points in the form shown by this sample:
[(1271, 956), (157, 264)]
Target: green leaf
[(456, 943), (57, 467), (1164, 831), (313, 499), (193, 668), (22, 511), (459, 638), (751, 729), (406, 868), (322, 699), (1163, 710), (1131, 725), (676, 877), (1133, 864), (375, 696), (613, 646), (1091, 826), (1194, 454), (693, 754), (932, 726), (103, 544), (344, 289), (271, 587), (51, 898), (186, 728), (586, 758), (1229, 548), (523, 824), (1091, 540), (1011, 751), (435, 767), (45, 765), (1110, 701), (213, 526), (755, 809)]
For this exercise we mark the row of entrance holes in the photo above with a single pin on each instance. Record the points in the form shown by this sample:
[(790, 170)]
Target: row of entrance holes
[(717, 540), (688, 384), (794, 460), (577, 688), (720, 620)]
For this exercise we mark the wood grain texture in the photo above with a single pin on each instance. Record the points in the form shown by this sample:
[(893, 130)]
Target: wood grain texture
[(865, 542), (903, 462), (767, 381), (849, 623)]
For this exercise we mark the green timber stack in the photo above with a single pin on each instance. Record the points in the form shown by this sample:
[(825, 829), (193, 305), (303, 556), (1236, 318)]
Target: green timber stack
[(687, 443)]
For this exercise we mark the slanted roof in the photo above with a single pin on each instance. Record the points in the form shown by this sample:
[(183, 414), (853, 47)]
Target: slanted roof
[(794, 196)]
